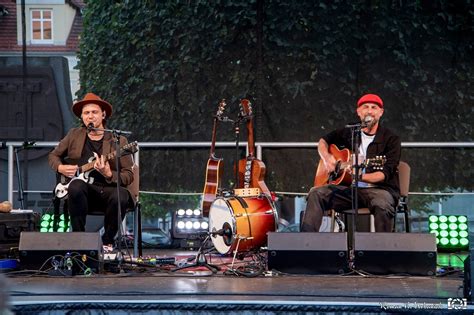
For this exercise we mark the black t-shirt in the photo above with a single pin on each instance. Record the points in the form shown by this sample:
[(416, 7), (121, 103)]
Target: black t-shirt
[(91, 146)]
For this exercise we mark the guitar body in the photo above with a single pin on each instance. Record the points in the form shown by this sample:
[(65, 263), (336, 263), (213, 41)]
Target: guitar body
[(61, 189), (213, 169), (251, 175), (340, 176), (213, 178)]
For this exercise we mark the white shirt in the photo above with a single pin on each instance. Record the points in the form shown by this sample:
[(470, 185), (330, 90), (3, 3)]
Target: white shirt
[(365, 141)]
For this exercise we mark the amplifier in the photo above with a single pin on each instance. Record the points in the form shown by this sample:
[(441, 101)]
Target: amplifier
[(12, 224), (308, 253), (395, 253), (44, 251)]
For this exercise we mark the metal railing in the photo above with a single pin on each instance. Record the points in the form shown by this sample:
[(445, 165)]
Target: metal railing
[(259, 151)]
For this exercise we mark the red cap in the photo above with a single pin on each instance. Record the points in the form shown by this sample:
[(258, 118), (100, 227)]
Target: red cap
[(370, 98)]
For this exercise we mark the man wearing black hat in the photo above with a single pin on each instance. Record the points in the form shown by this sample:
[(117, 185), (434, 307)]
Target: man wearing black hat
[(75, 150), (378, 189)]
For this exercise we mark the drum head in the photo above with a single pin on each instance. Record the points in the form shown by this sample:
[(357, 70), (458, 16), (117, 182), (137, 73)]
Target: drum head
[(221, 219)]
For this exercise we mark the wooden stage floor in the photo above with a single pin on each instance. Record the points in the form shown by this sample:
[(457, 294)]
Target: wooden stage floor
[(199, 291)]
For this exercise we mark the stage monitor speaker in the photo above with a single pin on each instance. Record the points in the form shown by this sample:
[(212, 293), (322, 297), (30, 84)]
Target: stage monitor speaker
[(308, 253), (395, 253), (60, 250), (467, 282)]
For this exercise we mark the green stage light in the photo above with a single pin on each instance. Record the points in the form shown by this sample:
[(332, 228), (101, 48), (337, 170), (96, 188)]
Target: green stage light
[(444, 241), (451, 231), (47, 223)]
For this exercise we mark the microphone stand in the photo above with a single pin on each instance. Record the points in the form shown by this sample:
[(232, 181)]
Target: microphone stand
[(116, 137), (21, 192), (237, 122), (356, 130), (200, 259)]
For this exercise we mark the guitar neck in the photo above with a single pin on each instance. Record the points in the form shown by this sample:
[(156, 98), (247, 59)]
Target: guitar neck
[(213, 139), (88, 166), (250, 139)]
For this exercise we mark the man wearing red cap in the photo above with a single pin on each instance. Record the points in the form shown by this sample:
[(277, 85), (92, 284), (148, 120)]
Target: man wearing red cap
[(75, 150), (378, 190)]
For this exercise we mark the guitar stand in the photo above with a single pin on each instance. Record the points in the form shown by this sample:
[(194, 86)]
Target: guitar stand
[(200, 260)]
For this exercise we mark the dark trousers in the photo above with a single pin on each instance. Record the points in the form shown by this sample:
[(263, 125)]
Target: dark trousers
[(379, 201), (85, 198)]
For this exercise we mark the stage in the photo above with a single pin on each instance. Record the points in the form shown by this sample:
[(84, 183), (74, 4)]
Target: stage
[(197, 290)]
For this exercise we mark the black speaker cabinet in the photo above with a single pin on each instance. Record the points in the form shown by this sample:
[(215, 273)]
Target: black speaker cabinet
[(44, 250), (467, 282), (395, 253), (308, 253)]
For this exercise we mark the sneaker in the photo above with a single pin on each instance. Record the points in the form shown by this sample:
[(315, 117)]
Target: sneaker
[(107, 248)]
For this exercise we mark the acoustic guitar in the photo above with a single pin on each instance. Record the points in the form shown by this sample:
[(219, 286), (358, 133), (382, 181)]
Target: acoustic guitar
[(213, 168), (341, 176), (251, 170), (83, 172)]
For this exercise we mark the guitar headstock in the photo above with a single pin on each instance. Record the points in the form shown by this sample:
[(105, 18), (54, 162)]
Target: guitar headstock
[(245, 108), (376, 163), (220, 109)]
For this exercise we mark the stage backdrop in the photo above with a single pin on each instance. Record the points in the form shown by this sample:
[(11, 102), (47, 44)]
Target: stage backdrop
[(165, 65)]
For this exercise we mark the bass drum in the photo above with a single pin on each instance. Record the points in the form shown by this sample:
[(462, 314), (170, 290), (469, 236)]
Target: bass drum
[(247, 219)]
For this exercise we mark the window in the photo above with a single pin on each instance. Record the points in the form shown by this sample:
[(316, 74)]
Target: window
[(41, 26)]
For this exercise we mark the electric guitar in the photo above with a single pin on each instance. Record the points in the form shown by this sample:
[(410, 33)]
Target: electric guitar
[(83, 172), (251, 169), (213, 168), (341, 176)]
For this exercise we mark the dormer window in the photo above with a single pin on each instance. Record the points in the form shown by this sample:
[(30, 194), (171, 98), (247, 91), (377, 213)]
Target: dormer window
[(41, 26)]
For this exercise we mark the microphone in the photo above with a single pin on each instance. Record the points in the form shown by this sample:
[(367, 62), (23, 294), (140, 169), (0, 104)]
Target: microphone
[(222, 232), (368, 120), (90, 127), (365, 123)]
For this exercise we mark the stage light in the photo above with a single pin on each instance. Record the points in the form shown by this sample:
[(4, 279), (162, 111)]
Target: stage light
[(47, 223), (189, 226), (451, 231)]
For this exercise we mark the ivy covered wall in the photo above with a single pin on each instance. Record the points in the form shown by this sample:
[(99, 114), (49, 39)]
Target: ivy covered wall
[(165, 65)]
